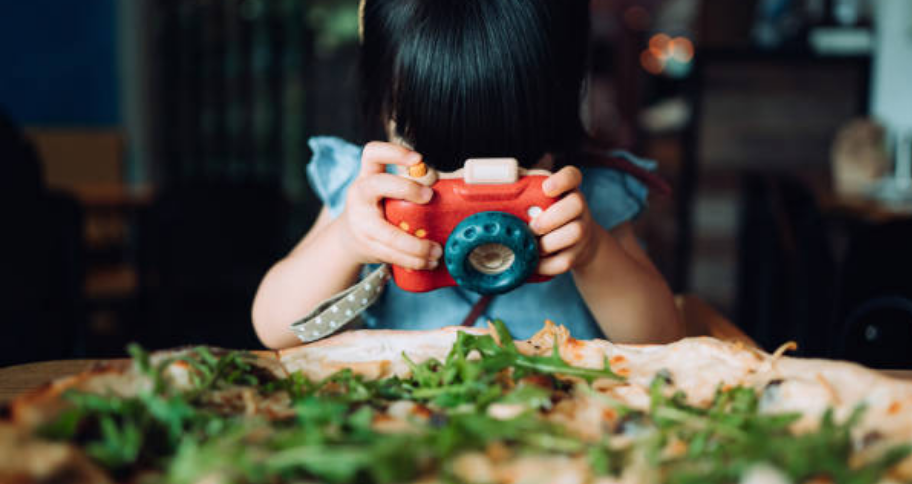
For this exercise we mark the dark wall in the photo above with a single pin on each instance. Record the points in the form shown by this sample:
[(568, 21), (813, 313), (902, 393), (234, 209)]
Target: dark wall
[(58, 62)]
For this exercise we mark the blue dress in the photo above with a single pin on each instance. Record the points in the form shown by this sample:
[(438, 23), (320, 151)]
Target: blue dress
[(614, 197)]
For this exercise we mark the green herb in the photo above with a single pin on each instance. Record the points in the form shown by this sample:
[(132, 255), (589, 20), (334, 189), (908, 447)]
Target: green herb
[(122, 432), (332, 436), (727, 439), (334, 444), (461, 379)]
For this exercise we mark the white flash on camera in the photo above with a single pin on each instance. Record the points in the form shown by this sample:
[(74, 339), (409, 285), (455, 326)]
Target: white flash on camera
[(491, 171)]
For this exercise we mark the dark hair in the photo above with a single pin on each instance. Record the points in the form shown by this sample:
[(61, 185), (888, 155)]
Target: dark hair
[(476, 78)]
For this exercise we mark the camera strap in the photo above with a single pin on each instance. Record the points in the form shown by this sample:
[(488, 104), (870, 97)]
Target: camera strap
[(337, 312), (477, 310), (333, 314)]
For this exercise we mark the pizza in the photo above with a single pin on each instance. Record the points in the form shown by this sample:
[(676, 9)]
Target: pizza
[(465, 405)]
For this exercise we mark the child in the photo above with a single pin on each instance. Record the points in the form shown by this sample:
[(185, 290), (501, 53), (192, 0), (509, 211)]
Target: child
[(452, 80)]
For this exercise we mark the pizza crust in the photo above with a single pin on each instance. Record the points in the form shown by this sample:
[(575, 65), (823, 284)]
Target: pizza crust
[(375, 354), (41, 405)]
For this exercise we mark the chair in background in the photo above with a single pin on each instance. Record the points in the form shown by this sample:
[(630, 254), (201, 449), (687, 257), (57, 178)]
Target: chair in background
[(786, 269), (875, 289)]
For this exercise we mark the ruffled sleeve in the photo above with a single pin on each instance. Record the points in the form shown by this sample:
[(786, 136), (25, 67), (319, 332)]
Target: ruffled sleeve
[(614, 196), (332, 169)]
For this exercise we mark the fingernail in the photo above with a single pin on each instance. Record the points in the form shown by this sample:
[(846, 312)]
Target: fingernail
[(433, 264), (436, 252), (547, 185), (426, 194)]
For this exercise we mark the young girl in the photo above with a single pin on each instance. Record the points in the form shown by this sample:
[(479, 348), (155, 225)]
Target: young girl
[(452, 80)]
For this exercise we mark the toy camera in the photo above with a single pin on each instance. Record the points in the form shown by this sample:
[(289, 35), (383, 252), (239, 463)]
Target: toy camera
[(480, 215)]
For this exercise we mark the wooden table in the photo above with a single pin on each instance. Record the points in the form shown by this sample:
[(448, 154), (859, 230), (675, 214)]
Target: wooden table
[(20, 378), (699, 318)]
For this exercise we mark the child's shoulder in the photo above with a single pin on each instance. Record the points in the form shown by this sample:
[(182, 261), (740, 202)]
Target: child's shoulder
[(323, 146), (333, 166)]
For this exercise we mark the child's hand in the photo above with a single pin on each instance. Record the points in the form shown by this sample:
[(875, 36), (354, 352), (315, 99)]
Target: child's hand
[(367, 234), (568, 235)]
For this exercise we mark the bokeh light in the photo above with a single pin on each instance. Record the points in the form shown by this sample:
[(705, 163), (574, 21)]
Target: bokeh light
[(659, 44), (651, 63), (681, 49), (668, 56)]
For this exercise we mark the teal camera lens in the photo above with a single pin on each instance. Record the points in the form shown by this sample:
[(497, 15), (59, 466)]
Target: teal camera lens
[(491, 252)]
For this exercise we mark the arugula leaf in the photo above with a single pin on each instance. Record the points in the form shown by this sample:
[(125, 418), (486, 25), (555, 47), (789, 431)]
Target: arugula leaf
[(120, 443), (727, 439), (474, 370), (332, 436)]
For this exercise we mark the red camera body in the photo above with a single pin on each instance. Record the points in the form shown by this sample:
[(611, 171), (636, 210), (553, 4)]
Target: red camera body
[(454, 199)]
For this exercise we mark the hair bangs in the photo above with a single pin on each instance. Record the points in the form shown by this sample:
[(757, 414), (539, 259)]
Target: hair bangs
[(475, 78)]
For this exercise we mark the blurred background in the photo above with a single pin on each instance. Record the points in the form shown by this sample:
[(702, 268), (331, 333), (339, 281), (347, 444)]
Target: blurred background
[(153, 158)]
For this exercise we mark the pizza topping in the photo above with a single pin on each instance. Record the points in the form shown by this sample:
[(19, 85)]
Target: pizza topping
[(834, 395), (764, 474), (871, 438), (774, 383), (782, 349), (770, 393), (542, 381), (665, 376), (506, 411), (24, 458), (491, 410)]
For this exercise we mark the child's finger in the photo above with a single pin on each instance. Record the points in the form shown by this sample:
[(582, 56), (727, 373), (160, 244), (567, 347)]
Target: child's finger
[(566, 209), (392, 256), (382, 232), (378, 186), (377, 154), (566, 179), (566, 236), (556, 264)]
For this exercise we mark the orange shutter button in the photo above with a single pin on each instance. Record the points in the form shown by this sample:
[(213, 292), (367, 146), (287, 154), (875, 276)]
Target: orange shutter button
[(417, 170)]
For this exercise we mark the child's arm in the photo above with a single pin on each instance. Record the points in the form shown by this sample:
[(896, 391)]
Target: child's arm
[(329, 258), (625, 293)]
